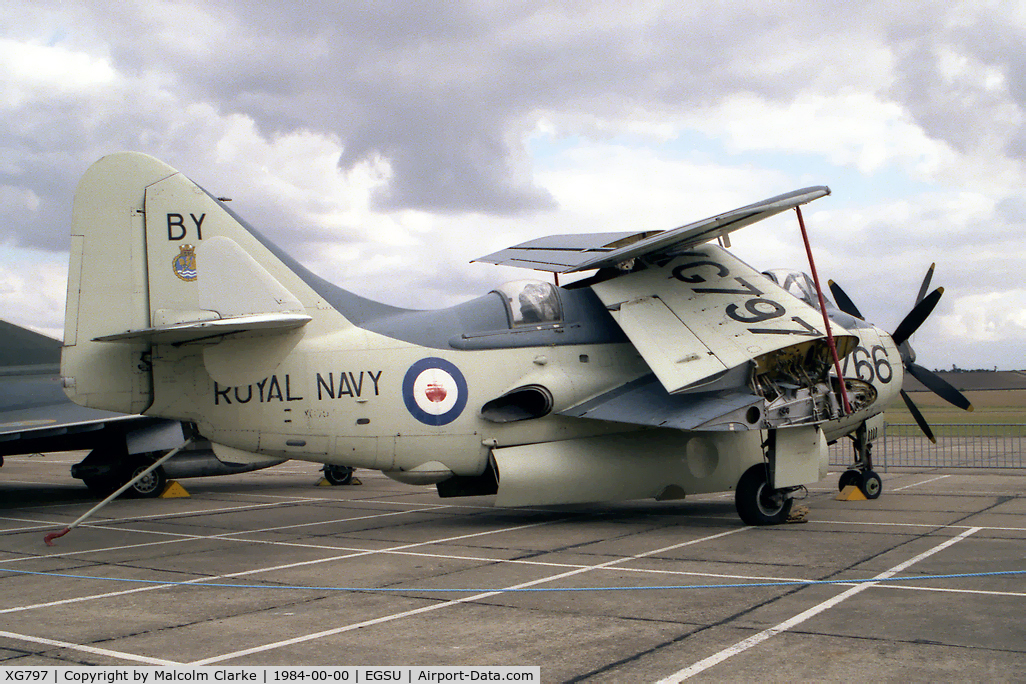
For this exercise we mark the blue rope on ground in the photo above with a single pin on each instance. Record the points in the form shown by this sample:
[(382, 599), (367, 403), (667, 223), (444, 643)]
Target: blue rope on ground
[(418, 590)]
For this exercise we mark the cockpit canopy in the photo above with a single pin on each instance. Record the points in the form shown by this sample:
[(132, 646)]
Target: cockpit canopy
[(531, 302), (798, 284)]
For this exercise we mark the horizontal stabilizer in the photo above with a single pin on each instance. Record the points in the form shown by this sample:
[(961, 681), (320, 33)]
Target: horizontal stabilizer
[(235, 294), (573, 253), (179, 333)]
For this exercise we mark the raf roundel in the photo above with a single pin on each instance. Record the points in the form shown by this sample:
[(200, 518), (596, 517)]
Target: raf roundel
[(435, 391)]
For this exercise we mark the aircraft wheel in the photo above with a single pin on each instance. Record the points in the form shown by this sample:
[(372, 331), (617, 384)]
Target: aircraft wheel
[(150, 486), (338, 475), (849, 477), (871, 484), (757, 503)]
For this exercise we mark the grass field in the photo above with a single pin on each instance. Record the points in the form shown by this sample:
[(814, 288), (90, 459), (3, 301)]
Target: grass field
[(990, 407)]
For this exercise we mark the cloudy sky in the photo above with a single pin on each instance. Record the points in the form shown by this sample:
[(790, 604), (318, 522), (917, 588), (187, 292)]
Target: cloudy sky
[(387, 145)]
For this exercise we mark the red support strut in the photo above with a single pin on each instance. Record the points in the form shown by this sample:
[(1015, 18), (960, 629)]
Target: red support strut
[(822, 308)]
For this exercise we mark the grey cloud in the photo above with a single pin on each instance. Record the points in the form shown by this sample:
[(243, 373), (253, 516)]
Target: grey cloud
[(444, 91), (962, 108)]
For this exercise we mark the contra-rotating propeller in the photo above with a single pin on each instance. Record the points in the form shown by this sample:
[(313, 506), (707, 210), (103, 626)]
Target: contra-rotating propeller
[(925, 304)]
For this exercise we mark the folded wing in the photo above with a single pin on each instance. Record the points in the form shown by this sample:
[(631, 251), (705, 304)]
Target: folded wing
[(573, 253), (728, 348)]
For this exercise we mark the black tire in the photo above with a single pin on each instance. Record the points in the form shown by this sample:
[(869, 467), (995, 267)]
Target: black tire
[(757, 503), (338, 475), (849, 477), (151, 486), (871, 485)]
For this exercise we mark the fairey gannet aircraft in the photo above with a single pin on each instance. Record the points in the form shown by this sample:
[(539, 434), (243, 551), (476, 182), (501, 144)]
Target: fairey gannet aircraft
[(674, 369)]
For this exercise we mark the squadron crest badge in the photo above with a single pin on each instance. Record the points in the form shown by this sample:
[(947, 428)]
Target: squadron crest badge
[(184, 265)]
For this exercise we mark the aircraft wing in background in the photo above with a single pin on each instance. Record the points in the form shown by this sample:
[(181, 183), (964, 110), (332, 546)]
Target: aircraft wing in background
[(37, 417)]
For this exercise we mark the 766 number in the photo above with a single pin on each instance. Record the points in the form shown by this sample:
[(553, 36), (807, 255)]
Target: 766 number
[(870, 364)]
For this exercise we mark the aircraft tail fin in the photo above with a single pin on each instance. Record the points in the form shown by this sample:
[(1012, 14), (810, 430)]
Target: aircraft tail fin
[(155, 259)]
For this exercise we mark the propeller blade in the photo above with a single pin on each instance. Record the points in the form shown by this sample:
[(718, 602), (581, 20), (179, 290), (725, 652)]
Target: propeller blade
[(919, 313), (844, 303), (939, 386), (926, 283), (920, 421)]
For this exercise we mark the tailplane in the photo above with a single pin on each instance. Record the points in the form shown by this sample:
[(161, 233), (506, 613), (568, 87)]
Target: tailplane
[(157, 260)]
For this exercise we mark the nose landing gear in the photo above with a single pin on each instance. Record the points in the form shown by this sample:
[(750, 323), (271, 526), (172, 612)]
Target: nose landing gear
[(338, 475), (861, 473)]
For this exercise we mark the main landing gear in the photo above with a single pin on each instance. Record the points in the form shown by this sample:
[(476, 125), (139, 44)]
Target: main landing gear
[(757, 502), (861, 473), (106, 468), (757, 499)]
